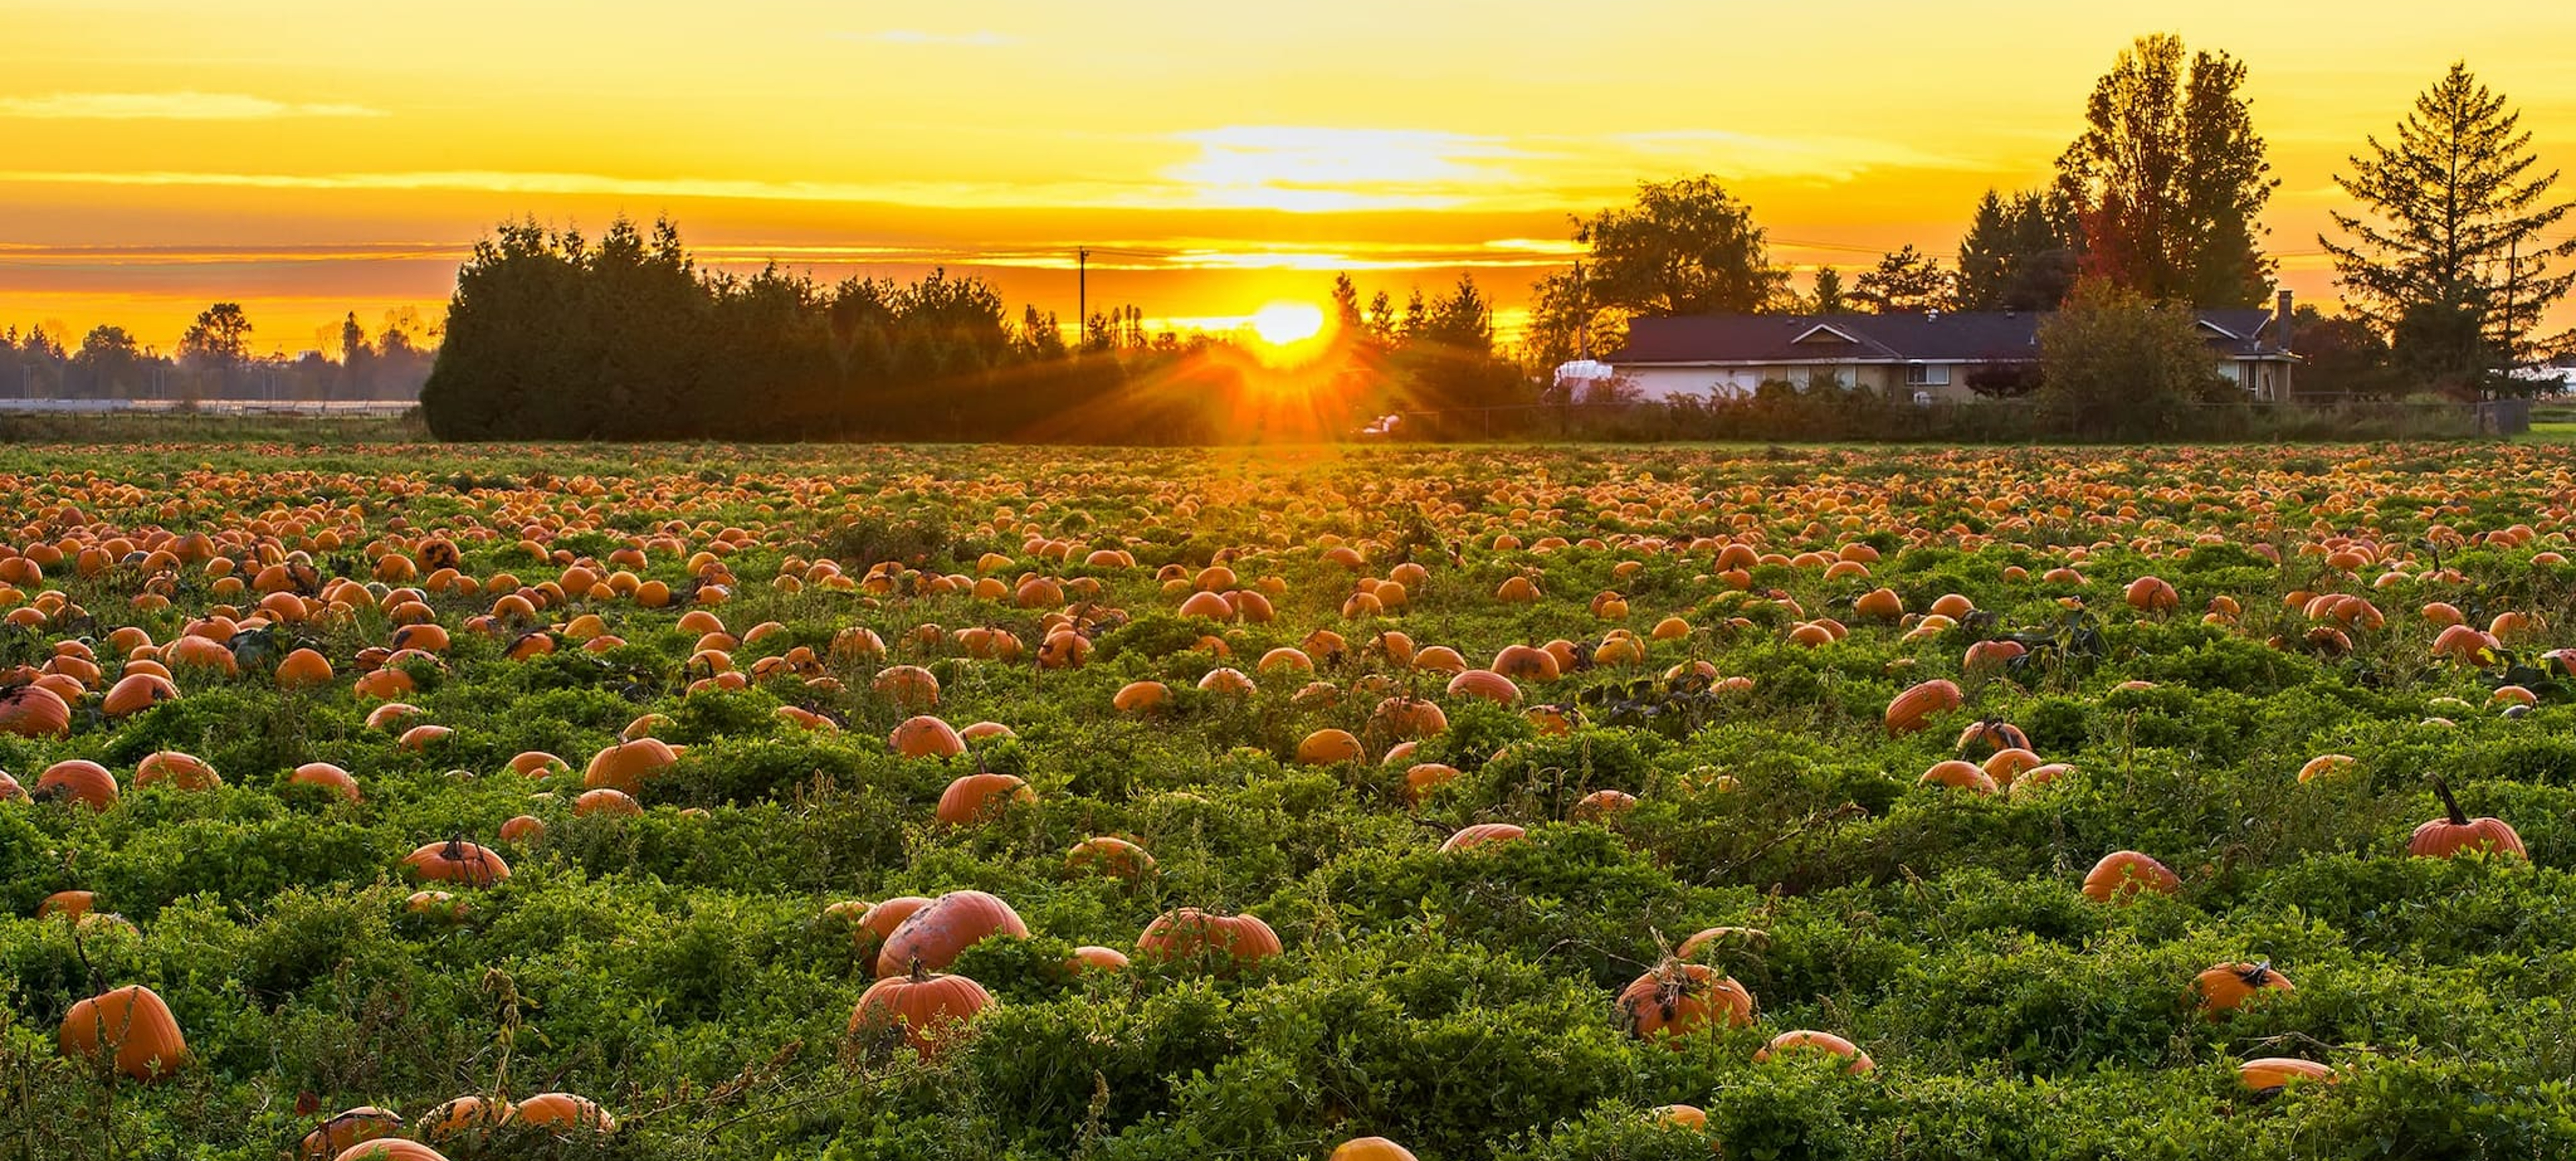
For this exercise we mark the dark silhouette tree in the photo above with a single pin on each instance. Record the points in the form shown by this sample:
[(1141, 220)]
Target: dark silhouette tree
[(2019, 254), (2454, 260), (1905, 282), (2170, 179)]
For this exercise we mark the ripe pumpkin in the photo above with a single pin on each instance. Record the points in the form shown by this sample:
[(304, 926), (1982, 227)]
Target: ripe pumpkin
[(1485, 683), (462, 1115), (1806, 1040), (77, 780), (134, 1023), (32, 711), (1189, 933), (603, 801), (326, 776), (185, 771), (2445, 837), (563, 1112), (1370, 1149), (1482, 834), (1677, 999), (335, 1136), (1328, 747), (626, 765), (2226, 987), (389, 1149), (978, 796), (932, 936), (1603, 805), (881, 919), (2271, 1074), (1959, 775), (456, 861), (136, 692), (924, 736), (2122, 875), (928, 1011), (1115, 857), (1913, 709), (2149, 594), (1093, 957)]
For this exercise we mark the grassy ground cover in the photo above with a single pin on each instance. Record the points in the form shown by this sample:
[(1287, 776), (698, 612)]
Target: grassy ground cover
[(693, 965)]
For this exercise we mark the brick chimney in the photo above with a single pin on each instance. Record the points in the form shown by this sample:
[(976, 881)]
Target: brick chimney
[(2281, 321)]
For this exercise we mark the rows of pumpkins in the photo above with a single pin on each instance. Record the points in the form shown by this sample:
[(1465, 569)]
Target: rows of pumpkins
[(914, 1001)]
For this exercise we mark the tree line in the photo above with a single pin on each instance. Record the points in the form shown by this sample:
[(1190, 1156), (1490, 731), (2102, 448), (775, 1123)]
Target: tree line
[(215, 360), (2454, 251), (551, 335)]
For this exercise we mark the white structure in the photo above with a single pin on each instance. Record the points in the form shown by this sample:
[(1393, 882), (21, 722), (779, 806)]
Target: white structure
[(1922, 357)]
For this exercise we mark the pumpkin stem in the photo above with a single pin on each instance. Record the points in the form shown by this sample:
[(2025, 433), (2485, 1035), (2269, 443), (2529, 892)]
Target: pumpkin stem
[(918, 976), (2255, 974), (2442, 790)]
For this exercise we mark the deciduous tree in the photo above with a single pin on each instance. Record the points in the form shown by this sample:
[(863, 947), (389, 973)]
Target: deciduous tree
[(2169, 178)]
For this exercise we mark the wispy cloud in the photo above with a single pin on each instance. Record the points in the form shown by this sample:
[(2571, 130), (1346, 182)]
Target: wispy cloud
[(177, 106), (914, 36), (1317, 169), (1823, 157)]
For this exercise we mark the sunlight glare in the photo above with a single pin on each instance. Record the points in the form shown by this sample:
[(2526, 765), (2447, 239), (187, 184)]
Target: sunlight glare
[(1282, 324)]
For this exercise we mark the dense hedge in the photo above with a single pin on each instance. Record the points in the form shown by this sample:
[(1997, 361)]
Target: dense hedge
[(681, 968)]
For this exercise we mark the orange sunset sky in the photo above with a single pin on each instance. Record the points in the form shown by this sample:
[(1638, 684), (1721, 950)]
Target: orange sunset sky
[(310, 158)]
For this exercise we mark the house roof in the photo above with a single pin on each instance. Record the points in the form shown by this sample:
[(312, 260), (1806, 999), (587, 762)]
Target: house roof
[(1958, 336)]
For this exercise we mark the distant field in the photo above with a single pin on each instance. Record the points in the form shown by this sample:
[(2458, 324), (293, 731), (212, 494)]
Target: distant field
[(1503, 802)]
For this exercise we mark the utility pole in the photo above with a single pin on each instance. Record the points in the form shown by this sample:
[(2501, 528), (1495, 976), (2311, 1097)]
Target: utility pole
[(1081, 296)]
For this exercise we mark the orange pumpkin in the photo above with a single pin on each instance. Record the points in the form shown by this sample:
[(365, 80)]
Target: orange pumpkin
[(1115, 857), (77, 780), (1189, 933), (1482, 834), (1328, 747), (562, 1112), (335, 1136), (1676, 999), (185, 771), (134, 1024), (1805, 1040), (932, 936), (2456, 832), (326, 776), (456, 861), (2226, 987), (2122, 875), (463, 1115), (924, 736), (976, 797), (31, 711), (2271, 1074), (927, 1011), (1913, 709), (137, 692), (1370, 1149), (626, 765), (389, 1149)]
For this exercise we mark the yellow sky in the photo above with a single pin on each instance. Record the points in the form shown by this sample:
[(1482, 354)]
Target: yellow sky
[(308, 158)]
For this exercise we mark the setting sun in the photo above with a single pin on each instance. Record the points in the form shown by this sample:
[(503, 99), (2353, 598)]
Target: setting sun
[(1282, 324)]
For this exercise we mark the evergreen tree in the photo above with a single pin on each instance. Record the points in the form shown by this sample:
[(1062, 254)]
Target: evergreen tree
[(2457, 266), (2019, 253), (1827, 296), (1905, 282)]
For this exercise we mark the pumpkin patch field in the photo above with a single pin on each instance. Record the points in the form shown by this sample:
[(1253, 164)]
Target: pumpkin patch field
[(1533, 803)]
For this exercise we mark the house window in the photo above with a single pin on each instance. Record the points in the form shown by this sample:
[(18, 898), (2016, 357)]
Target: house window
[(1927, 374)]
